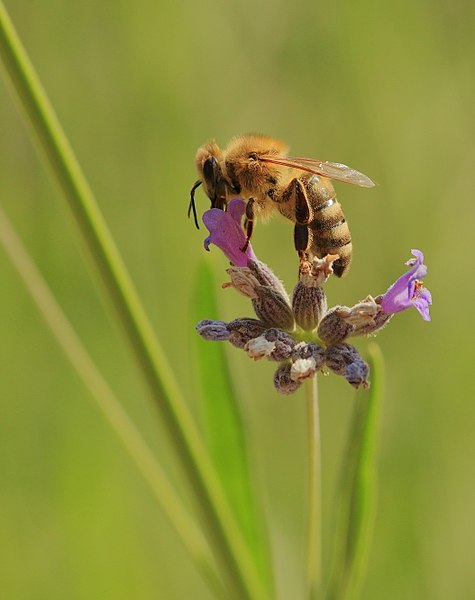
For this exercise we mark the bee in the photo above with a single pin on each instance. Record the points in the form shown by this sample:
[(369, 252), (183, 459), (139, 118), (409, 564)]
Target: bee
[(258, 169)]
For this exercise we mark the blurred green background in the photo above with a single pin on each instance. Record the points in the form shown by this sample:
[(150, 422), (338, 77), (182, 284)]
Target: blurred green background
[(387, 88)]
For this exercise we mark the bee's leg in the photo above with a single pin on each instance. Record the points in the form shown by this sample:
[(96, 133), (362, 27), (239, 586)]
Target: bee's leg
[(301, 240), (302, 216), (248, 223), (303, 212), (192, 205)]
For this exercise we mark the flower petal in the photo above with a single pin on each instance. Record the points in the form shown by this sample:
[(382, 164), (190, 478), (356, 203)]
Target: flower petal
[(408, 290), (227, 233), (422, 302)]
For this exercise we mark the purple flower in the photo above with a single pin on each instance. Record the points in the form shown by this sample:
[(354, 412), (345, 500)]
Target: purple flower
[(227, 233), (409, 290)]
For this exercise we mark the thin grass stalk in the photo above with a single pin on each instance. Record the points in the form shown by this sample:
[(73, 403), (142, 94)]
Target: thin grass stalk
[(356, 500), (364, 499), (108, 403), (231, 551), (314, 491)]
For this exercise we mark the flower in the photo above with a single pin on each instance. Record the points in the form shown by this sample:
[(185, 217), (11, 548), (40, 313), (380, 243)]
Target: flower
[(409, 290), (227, 233), (300, 332), (274, 336)]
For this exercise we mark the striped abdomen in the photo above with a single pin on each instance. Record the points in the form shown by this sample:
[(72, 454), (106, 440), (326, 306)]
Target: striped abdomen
[(329, 233)]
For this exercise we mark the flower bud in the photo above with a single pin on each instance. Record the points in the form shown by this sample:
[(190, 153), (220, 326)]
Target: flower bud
[(272, 308), (303, 368), (357, 374), (334, 328), (309, 304), (309, 350), (338, 357), (259, 347), (243, 281), (283, 382), (281, 351), (213, 330), (362, 314), (274, 333), (243, 330), (266, 276), (379, 321)]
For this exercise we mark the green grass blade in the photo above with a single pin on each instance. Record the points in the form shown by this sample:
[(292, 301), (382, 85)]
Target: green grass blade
[(230, 550), (357, 500), (108, 403), (222, 423)]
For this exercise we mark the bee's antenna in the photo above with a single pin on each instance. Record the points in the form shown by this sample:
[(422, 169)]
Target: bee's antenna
[(192, 205)]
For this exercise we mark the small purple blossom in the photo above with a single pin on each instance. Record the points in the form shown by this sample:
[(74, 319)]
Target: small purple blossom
[(409, 290), (227, 233)]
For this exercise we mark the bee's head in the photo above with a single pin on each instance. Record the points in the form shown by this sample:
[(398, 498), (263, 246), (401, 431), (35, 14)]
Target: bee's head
[(207, 162)]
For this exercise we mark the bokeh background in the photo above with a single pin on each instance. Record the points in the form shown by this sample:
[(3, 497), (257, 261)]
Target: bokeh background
[(385, 87)]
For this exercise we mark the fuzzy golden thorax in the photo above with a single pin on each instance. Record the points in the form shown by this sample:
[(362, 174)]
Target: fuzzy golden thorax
[(242, 165)]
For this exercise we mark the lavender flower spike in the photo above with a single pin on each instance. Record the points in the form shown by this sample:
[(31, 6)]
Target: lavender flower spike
[(409, 290), (227, 233)]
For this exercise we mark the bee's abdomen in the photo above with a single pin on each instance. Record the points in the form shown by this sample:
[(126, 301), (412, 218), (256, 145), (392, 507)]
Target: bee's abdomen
[(330, 234)]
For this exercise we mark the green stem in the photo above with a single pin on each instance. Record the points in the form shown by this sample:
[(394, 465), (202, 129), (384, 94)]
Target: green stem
[(356, 497), (314, 521), (109, 405), (227, 541)]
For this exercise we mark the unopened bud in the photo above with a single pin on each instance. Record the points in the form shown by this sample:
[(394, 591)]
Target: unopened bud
[(213, 330), (283, 382), (379, 321), (243, 281), (357, 374), (362, 314), (334, 327), (309, 304), (284, 343), (274, 333), (281, 351), (303, 368), (259, 347), (338, 357), (309, 350), (243, 330), (266, 276), (272, 308)]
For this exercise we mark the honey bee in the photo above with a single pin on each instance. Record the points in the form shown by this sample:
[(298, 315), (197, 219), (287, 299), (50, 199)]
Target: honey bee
[(258, 169)]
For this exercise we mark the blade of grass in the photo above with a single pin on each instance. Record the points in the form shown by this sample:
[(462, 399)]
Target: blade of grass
[(357, 495), (109, 405), (230, 549), (223, 427)]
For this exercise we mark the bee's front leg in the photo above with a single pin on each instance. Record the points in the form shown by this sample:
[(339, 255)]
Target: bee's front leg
[(249, 223)]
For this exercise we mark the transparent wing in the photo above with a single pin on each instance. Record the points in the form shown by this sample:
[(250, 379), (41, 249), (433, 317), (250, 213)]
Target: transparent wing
[(332, 170)]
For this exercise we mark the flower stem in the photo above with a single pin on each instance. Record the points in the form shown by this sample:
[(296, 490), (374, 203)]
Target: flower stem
[(314, 519), (231, 550)]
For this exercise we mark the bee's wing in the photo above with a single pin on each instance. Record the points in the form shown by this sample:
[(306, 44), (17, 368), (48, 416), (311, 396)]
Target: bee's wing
[(332, 170)]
